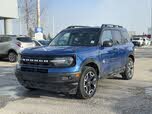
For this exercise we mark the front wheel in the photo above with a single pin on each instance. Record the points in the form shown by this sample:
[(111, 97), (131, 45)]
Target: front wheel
[(88, 83), (129, 70)]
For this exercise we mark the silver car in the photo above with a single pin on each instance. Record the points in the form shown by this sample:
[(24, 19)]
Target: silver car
[(11, 45)]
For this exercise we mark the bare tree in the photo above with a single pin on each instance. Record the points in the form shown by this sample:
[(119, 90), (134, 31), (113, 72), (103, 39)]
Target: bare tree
[(28, 9), (28, 14)]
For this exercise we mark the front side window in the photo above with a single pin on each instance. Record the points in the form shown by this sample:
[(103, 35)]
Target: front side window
[(82, 37), (106, 36), (117, 38)]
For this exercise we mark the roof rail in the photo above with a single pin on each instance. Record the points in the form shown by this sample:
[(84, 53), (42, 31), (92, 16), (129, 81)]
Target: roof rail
[(111, 26), (70, 27)]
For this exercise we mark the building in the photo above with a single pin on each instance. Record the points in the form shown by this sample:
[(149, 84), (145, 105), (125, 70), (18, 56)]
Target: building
[(8, 11), (131, 33)]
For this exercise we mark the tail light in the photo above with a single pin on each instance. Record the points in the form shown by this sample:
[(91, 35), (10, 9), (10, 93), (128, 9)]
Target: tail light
[(19, 44)]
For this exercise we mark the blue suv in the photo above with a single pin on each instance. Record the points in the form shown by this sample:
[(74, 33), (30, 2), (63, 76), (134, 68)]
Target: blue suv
[(76, 59)]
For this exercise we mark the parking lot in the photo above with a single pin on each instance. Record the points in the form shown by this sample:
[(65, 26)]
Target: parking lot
[(113, 96)]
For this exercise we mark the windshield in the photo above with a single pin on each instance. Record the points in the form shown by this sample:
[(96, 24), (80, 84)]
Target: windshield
[(25, 39), (81, 37)]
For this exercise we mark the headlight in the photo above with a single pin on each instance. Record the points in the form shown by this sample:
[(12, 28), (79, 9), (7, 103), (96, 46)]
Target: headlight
[(63, 61)]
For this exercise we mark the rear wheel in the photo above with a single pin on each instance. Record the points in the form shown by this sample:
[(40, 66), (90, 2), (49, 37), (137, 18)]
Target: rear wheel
[(12, 56), (129, 70), (88, 83)]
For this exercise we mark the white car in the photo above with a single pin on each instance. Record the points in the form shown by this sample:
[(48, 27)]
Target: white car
[(11, 45), (146, 42), (137, 41)]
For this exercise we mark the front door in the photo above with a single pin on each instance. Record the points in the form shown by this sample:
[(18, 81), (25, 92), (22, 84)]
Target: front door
[(108, 55)]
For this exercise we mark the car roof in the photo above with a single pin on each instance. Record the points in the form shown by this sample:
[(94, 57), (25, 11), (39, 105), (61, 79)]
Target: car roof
[(94, 28)]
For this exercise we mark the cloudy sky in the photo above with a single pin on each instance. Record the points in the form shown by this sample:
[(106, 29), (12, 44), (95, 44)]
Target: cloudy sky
[(132, 14)]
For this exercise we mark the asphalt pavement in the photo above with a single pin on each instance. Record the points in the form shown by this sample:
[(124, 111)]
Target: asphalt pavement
[(114, 96)]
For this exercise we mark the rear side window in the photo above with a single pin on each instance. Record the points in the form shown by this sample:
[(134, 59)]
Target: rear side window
[(24, 39), (117, 38)]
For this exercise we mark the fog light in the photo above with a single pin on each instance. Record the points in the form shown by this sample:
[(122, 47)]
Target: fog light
[(78, 75)]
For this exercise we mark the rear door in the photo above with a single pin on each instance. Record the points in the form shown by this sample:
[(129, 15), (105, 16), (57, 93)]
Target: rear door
[(125, 47), (118, 48)]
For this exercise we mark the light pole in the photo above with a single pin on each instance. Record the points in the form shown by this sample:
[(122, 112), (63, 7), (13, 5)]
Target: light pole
[(38, 14), (20, 21), (151, 18), (53, 27), (38, 30)]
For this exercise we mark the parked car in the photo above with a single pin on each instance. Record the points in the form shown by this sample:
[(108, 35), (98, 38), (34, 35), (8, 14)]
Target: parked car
[(11, 45), (76, 59), (41, 42), (137, 41), (146, 41)]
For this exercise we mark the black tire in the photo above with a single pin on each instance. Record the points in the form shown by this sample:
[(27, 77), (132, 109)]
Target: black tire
[(88, 83), (129, 70), (30, 89), (12, 56)]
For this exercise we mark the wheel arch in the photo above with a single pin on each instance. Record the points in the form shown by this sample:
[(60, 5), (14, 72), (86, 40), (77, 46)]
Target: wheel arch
[(12, 50), (92, 63)]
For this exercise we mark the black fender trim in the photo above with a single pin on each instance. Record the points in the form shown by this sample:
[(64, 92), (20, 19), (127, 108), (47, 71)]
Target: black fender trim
[(90, 60)]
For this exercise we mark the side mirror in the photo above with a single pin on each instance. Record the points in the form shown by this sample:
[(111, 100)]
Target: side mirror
[(107, 43)]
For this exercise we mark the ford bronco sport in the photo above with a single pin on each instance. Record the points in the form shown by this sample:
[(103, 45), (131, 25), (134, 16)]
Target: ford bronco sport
[(76, 59)]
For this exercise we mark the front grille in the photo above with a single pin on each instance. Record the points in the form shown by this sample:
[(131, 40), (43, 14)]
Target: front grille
[(36, 60), (24, 69)]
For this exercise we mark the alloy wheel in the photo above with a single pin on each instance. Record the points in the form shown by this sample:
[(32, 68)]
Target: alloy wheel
[(130, 69), (90, 83)]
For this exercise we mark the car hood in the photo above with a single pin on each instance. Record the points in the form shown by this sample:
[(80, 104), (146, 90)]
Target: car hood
[(50, 50)]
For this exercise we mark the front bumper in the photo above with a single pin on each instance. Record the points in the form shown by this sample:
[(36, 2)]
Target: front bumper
[(57, 82)]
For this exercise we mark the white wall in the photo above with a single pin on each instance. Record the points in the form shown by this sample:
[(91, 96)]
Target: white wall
[(9, 8)]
